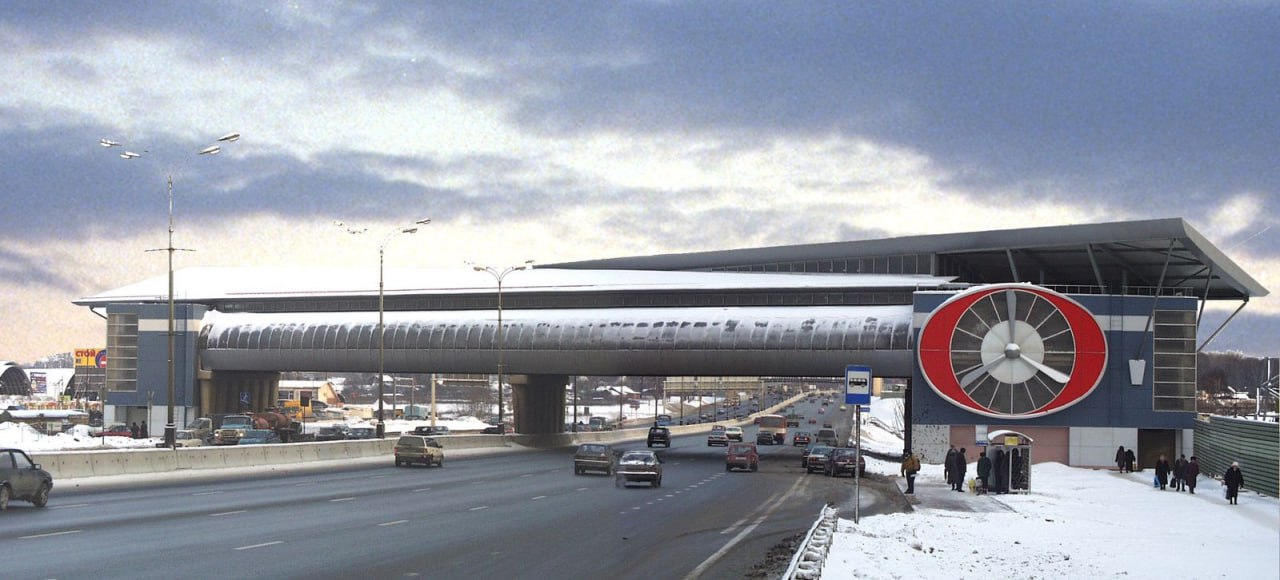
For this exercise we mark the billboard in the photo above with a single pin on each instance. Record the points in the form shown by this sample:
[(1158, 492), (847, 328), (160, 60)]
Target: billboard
[(91, 358)]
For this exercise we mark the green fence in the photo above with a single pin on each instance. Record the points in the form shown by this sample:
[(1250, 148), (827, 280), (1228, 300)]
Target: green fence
[(1255, 444)]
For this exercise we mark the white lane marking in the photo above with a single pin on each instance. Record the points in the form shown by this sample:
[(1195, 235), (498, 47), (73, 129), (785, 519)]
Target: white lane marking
[(421, 489), (209, 493), (478, 508), (768, 511), (581, 489), (50, 534), (376, 476), (342, 499), (538, 497), (735, 525), (68, 506), (303, 484), (395, 523), (527, 475), (220, 514), (262, 545)]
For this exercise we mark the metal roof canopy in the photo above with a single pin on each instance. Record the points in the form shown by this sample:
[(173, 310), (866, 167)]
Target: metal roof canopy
[(1165, 253)]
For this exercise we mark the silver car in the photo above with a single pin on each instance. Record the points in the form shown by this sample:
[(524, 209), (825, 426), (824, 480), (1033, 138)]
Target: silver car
[(641, 465)]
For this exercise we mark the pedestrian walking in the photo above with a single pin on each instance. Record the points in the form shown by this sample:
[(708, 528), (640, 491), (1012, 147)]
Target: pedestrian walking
[(1129, 460), (143, 432), (1162, 471), (133, 430), (910, 467), (1120, 459), (1192, 472), (1234, 480), (1180, 473), (947, 462), (1001, 471), (958, 466), (984, 471)]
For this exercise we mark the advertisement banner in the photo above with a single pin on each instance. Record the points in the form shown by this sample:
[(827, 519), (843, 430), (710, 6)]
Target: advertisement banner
[(91, 357)]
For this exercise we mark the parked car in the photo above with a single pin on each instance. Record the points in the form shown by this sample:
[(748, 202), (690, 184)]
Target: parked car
[(410, 449), (22, 479), (658, 435), (259, 437), (362, 433), (733, 433), (498, 430), (717, 437), (639, 465), (430, 431), (593, 457), (332, 433), (816, 459), (742, 456), (116, 430), (801, 438), (840, 461)]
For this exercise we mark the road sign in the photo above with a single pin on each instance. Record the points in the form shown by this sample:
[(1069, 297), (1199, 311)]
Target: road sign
[(857, 385), (244, 397)]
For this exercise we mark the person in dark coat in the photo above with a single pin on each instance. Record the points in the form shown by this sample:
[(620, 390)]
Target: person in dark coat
[(1180, 473), (1129, 460), (947, 463), (1162, 471), (1234, 480), (1001, 465), (958, 469), (984, 471), (143, 432), (1120, 459), (1192, 472), (133, 430)]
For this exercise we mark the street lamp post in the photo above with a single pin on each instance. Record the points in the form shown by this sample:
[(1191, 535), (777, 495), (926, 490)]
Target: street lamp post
[(499, 276), (381, 428), (170, 428)]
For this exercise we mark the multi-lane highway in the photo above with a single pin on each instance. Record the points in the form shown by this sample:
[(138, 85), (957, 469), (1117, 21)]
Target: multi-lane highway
[(512, 515)]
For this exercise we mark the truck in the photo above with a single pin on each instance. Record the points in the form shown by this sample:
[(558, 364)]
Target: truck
[(232, 427)]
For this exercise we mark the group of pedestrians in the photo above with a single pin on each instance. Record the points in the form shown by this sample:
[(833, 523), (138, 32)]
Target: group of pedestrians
[(954, 467), (1125, 460), (1183, 473), (139, 432)]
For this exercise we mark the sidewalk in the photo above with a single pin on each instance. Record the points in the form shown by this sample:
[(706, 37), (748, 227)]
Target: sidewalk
[(932, 492)]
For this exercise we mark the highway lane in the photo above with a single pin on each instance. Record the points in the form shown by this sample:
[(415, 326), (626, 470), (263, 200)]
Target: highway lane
[(516, 515)]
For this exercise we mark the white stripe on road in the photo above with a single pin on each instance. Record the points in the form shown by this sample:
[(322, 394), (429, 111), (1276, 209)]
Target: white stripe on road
[(50, 534), (68, 506), (421, 489), (209, 493), (777, 502), (478, 508), (538, 497), (220, 514), (262, 545), (395, 523), (342, 499)]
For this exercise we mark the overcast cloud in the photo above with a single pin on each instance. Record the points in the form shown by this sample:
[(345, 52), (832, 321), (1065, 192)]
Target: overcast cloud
[(575, 130)]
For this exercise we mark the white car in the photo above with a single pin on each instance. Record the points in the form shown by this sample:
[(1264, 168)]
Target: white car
[(733, 433)]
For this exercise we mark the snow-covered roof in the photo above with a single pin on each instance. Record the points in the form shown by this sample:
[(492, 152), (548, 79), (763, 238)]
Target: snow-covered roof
[(212, 284)]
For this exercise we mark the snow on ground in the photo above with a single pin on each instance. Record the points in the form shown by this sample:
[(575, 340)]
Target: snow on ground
[(1074, 523)]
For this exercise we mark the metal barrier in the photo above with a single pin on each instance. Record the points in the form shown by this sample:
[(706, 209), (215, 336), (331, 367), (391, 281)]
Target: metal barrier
[(1255, 444)]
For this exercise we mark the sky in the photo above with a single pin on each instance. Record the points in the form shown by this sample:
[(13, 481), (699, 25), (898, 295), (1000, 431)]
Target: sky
[(560, 131)]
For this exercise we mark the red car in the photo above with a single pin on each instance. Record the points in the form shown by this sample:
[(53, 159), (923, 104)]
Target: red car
[(742, 456), (117, 430), (801, 439)]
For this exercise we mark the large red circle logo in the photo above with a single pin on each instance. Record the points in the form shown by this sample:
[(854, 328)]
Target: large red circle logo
[(1012, 351)]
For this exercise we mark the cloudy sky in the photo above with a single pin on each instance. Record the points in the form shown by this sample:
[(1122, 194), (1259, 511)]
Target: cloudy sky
[(562, 131)]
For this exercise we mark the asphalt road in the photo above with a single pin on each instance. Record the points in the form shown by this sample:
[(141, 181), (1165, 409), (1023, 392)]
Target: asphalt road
[(516, 515)]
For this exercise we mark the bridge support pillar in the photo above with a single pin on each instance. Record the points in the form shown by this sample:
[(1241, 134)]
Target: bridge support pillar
[(226, 391), (538, 403)]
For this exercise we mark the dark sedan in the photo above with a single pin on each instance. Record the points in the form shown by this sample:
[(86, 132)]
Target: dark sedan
[(22, 479), (332, 433)]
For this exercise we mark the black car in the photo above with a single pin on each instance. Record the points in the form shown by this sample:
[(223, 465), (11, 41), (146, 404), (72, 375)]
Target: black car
[(429, 431), (659, 435), (22, 479), (362, 433), (332, 433), (840, 461)]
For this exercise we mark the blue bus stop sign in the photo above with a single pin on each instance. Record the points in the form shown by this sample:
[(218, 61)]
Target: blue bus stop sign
[(857, 385)]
